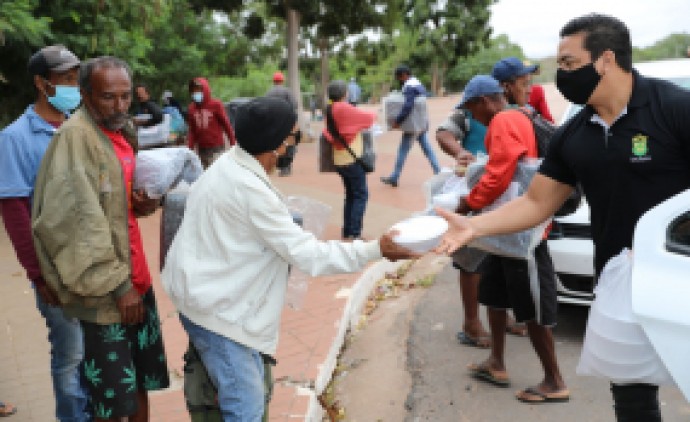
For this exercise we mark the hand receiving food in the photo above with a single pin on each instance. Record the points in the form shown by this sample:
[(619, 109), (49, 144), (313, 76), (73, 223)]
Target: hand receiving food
[(460, 232)]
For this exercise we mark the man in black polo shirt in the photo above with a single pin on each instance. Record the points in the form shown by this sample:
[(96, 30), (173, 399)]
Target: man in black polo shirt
[(629, 148)]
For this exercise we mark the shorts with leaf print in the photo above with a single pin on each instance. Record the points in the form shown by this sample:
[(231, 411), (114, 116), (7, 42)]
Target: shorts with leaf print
[(121, 360)]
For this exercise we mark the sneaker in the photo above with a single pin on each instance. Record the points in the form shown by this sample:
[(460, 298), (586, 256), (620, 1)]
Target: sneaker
[(389, 181)]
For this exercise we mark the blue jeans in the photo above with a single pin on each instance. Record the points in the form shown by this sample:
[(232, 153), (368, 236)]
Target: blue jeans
[(237, 372), (404, 149), (67, 352), (356, 196)]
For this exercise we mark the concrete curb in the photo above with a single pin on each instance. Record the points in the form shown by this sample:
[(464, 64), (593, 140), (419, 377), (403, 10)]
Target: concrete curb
[(357, 296)]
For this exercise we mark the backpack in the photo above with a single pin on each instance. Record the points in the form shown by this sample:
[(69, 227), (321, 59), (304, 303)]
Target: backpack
[(543, 131)]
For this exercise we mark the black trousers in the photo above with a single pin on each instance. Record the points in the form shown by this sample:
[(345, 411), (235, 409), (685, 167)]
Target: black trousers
[(636, 402)]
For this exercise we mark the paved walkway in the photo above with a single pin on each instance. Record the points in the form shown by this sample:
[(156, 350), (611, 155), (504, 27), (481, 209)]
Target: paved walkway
[(310, 337)]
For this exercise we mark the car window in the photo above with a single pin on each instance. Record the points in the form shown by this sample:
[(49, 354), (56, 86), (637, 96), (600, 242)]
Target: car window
[(678, 235)]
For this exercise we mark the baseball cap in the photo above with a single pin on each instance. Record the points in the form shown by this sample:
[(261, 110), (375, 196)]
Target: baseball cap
[(401, 70), (479, 86), (278, 77), (55, 58), (511, 67)]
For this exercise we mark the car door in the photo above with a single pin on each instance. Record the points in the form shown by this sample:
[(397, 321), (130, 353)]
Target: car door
[(661, 283)]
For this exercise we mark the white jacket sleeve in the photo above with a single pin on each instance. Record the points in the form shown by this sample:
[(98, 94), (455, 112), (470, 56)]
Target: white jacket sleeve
[(273, 223)]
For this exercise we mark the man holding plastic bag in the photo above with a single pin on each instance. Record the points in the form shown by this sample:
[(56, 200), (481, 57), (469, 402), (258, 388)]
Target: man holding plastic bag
[(629, 148), (227, 268), (525, 284)]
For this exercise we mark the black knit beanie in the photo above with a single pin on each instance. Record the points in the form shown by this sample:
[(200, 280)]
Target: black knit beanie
[(263, 123)]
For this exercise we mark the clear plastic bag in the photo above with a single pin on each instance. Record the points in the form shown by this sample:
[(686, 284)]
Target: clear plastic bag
[(615, 347), (312, 216), (160, 170), (515, 245)]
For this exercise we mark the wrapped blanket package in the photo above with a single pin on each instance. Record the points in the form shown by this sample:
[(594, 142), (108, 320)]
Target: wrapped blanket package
[(160, 170), (418, 119), (171, 218), (155, 135)]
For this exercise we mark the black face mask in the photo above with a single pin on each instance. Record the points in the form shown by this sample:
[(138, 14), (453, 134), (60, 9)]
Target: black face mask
[(285, 160), (578, 85)]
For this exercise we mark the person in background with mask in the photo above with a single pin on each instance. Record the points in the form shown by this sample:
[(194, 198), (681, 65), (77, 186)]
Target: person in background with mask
[(22, 145), (90, 249), (354, 92), (629, 148), (207, 122), (228, 275)]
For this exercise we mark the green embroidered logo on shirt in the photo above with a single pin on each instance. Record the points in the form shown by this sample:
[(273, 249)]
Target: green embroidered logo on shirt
[(639, 145)]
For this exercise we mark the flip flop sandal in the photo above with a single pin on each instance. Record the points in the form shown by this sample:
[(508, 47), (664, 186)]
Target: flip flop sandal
[(483, 342), (517, 329), (7, 410), (533, 396), (499, 378)]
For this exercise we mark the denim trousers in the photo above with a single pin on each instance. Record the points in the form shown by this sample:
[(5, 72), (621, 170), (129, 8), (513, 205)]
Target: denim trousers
[(356, 196), (66, 354), (636, 402), (404, 149), (236, 371)]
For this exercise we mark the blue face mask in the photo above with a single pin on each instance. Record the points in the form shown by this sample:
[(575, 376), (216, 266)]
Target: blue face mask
[(198, 97), (66, 98)]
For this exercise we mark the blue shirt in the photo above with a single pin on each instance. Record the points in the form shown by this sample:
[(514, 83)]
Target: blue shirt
[(22, 146), (354, 92)]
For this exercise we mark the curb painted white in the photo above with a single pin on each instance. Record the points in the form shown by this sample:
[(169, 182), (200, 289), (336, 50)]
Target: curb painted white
[(349, 320)]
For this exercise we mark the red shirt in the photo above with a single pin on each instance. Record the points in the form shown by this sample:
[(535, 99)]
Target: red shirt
[(509, 137), (141, 278), (537, 99)]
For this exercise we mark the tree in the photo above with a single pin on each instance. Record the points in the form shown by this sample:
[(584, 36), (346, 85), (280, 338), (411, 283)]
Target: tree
[(672, 46), (445, 32)]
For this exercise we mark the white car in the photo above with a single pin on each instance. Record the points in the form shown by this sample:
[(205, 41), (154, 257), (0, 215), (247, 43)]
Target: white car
[(660, 288), (570, 241)]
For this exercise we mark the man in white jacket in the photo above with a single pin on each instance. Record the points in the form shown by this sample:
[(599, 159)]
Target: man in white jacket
[(227, 268)]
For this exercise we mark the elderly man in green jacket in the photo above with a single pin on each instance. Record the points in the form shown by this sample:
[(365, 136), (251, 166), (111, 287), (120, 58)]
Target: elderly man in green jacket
[(89, 245)]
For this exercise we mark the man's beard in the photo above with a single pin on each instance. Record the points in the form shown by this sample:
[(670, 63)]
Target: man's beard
[(114, 122)]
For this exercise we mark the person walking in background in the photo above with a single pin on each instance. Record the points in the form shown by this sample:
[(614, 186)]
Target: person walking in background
[(622, 108), (6, 409), (462, 137), (90, 249), (168, 100), (411, 89), (349, 122), (354, 92), (279, 90), (537, 97), (207, 122), (230, 291), (23, 143)]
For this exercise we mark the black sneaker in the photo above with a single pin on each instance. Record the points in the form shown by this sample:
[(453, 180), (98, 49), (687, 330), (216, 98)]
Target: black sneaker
[(389, 181)]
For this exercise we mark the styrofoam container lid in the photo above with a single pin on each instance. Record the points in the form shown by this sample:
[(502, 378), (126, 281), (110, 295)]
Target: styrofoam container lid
[(421, 233)]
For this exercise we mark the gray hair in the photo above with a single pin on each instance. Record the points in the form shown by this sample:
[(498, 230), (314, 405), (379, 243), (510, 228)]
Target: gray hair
[(337, 90), (87, 69)]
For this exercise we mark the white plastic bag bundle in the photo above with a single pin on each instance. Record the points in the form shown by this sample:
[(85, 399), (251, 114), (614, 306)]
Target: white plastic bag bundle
[(313, 216), (516, 245), (159, 170), (155, 135), (418, 119), (615, 347)]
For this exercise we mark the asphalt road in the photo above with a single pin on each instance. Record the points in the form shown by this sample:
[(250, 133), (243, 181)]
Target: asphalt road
[(442, 390)]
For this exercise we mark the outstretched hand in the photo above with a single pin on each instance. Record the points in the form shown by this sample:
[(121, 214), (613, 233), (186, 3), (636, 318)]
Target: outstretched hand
[(392, 251), (143, 205), (460, 232)]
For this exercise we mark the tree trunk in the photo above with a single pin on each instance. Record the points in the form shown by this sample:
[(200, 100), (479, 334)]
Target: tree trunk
[(434, 78), (293, 57), (325, 76)]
